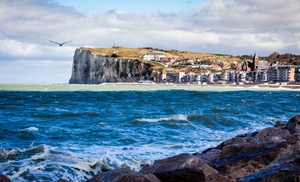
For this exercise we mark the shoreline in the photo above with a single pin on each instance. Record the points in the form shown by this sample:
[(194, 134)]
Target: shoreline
[(294, 86), (135, 86)]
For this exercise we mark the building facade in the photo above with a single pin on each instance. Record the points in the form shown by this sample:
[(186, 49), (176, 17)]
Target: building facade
[(153, 56), (174, 77), (297, 74), (282, 73)]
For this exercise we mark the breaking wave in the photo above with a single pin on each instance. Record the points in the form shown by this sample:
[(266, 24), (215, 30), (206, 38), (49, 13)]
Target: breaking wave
[(32, 128), (178, 117)]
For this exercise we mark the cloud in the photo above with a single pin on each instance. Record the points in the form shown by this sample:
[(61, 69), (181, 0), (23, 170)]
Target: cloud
[(220, 26), (257, 23)]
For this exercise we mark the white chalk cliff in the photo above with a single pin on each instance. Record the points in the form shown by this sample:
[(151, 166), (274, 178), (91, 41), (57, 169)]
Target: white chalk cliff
[(91, 68)]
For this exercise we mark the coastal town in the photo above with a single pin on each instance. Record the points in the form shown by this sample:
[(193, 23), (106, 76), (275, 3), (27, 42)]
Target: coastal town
[(208, 71), (151, 65)]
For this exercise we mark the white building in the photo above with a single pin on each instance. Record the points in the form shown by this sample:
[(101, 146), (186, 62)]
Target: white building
[(153, 56)]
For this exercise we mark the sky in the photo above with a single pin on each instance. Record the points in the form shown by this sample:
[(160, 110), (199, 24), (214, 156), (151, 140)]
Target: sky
[(232, 27)]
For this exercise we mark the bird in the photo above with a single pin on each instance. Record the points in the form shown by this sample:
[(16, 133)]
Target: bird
[(60, 44)]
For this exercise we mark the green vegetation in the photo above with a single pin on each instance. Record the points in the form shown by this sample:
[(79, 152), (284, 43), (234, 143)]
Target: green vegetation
[(221, 54), (157, 64), (136, 53)]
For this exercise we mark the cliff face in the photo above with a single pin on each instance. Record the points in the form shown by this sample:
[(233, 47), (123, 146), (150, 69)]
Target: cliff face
[(89, 68)]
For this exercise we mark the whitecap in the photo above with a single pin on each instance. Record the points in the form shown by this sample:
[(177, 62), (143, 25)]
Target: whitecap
[(62, 110), (178, 117), (32, 128)]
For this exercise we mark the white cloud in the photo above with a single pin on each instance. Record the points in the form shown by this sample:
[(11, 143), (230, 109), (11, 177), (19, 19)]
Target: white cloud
[(212, 22), (220, 26), (15, 49)]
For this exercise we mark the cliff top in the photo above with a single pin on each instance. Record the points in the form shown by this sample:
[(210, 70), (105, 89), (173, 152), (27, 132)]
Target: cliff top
[(138, 52)]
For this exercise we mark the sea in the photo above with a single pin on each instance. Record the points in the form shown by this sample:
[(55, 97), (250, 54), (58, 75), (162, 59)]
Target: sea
[(72, 132)]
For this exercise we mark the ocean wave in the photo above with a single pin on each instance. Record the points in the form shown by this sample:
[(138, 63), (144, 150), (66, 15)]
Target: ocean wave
[(73, 164), (87, 132), (178, 117), (47, 163), (32, 128)]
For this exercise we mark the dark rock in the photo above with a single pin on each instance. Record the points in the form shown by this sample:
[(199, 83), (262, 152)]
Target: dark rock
[(234, 148), (180, 161), (211, 154), (124, 175), (286, 172), (238, 144), (3, 178), (279, 124), (243, 138), (62, 180), (294, 124), (274, 135), (288, 158), (185, 174), (248, 162), (267, 153)]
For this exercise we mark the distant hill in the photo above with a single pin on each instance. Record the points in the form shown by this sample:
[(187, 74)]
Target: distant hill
[(284, 59)]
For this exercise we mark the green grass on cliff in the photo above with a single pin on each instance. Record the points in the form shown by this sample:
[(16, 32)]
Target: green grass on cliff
[(136, 53)]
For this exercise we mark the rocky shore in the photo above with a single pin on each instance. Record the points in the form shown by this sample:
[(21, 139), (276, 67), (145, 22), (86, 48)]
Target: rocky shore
[(271, 154)]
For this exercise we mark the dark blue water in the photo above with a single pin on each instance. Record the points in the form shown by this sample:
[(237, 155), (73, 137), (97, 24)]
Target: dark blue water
[(74, 135)]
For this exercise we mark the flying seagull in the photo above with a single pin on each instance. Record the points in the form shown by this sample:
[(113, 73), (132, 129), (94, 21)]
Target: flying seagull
[(60, 44)]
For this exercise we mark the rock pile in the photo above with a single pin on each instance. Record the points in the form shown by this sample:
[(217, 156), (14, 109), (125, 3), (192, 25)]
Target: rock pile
[(271, 154)]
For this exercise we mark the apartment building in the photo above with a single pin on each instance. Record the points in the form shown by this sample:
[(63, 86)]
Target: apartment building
[(284, 73), (297, 74), (174, 77)]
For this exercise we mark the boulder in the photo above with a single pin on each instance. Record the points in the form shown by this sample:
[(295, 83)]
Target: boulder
[(279, 124), (179, 162), (3, 178), (288, 158), (185, 174), (273, 135), (210, 154), (62, 180), (264, 154), (124, 175), (286, 172), (293, 125), (255, 152)]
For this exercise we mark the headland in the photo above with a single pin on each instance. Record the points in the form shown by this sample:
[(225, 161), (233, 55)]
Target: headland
[(120, 64)]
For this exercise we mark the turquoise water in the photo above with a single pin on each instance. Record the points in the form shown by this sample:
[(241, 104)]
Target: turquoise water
[(74, 131)]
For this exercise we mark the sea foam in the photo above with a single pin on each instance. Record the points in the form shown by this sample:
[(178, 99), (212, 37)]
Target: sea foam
[(178, 117), (32, 128)]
